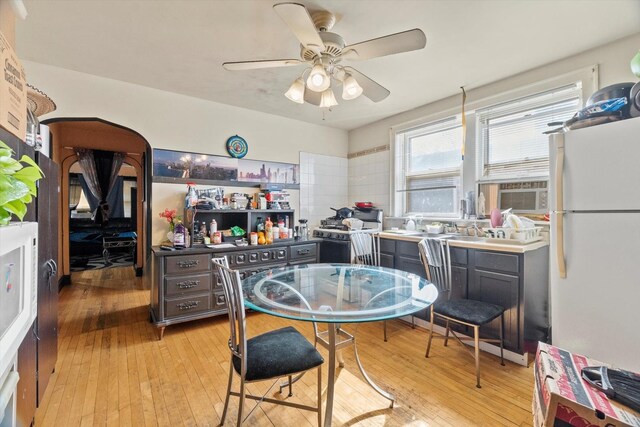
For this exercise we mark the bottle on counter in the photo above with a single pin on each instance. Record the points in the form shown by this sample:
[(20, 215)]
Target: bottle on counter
[(268, 231), (213, 227), (202, 233), (259, 225), (191, 199), (179, 235)]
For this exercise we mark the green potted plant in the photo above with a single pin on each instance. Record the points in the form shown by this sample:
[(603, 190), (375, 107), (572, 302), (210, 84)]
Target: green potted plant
[(17, 184)]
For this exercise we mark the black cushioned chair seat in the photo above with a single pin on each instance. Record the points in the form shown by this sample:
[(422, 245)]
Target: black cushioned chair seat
[(470, 311), (278, 353)]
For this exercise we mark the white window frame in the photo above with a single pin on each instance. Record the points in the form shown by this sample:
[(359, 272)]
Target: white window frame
[(535, 81), (400, 177)]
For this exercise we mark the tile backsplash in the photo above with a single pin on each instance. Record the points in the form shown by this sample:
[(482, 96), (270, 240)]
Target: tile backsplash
[(323, 184), (369, 180)]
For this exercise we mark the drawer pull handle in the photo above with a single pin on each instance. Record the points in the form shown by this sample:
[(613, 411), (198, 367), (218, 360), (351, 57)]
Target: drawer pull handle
[(188, 264), (188, 284), (187, 305), (303, 251)]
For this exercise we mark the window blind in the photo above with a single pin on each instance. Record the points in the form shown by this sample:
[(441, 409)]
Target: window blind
[(512, 143)]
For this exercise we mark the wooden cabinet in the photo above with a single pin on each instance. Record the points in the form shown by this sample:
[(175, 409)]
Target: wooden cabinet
[(26, 397), (516, 281), (184, 285), (47, 321), (37, 357)]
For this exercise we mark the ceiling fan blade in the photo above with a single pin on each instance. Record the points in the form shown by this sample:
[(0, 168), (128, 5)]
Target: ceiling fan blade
[(388, 45), (312, 97), (254, 65), (299, 21), (372, 90)]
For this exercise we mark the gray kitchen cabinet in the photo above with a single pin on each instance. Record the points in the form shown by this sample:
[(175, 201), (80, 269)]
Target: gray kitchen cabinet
[(503, 290), (516, 281), (387, 253), (184, 285)]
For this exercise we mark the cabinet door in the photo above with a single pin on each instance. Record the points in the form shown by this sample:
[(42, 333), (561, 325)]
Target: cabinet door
[(26, 389), (387, 260), (47, 321), (503, 290), (410, 265)]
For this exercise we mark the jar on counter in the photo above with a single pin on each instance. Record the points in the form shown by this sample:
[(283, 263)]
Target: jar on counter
[(284, 233), (254, 238), (217, 238)]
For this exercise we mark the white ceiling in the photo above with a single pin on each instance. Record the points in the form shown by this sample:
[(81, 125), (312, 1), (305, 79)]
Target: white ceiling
[(179, 46)]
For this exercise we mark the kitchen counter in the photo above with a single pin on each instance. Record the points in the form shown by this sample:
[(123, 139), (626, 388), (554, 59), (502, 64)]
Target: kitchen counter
[(201, 249), (515, 277), (471, 244)]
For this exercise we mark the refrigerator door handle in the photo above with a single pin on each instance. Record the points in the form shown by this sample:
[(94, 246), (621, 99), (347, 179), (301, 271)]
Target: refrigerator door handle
[(559, 214)]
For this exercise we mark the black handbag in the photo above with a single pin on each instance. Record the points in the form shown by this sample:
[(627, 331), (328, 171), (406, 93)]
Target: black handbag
[(617, 384)]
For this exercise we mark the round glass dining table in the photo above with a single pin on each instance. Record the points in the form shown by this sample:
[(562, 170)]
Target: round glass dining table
[(337, 294)]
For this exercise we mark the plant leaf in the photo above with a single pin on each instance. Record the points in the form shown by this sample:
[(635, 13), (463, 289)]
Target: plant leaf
[(28, 160), (28, 175), (26, 199), (9, 165), (17, 208), (5, 146), (17, 190), (4, 181), (5, 216)]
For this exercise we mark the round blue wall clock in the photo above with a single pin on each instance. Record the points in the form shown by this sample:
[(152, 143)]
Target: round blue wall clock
[(237, 147)]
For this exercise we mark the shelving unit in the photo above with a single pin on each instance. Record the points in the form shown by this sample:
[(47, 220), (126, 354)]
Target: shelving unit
[(227, 218)]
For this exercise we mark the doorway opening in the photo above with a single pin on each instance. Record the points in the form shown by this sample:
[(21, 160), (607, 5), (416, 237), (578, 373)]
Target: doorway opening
[(125, 238)]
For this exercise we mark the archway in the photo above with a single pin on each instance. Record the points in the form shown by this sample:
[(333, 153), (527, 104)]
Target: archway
[(69, 134)]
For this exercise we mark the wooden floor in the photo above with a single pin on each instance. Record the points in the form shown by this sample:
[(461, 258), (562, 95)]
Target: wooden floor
[(112, 370)]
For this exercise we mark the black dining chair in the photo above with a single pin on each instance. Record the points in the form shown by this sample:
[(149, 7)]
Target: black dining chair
[(272, 355), (436, 258), (365, 248)]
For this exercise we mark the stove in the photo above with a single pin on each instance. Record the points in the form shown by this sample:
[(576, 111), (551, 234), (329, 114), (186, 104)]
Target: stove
[(336, 242)]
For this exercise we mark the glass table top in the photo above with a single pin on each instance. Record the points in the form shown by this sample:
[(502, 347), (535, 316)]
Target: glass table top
[(337, 293)]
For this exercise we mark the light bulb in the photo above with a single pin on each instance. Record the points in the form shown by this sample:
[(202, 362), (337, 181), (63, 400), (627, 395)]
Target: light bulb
[(318, 79), (296, 91), (350, 88), (328, 99)]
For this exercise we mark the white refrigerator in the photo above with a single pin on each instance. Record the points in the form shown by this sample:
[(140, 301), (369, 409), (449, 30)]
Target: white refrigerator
[(595, 242)]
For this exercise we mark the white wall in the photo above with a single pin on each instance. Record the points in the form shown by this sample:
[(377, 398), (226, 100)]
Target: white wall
[(178, 122), (613, 61)]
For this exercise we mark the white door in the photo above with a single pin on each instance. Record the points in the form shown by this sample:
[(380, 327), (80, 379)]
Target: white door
[(595, 309), (602, 167)]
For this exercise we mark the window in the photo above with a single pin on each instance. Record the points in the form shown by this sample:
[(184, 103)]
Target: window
[(428, 169), (511, 142)]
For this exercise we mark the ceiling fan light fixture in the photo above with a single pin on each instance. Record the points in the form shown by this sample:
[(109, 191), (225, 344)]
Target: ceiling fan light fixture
[(350, 88), (318, 80), (296, 91), (328, 99)]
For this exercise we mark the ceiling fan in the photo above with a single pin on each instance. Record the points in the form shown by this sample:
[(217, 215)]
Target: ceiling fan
[(323, 51)]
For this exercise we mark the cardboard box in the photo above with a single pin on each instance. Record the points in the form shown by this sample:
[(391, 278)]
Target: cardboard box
[(13, 92), (562, 398)]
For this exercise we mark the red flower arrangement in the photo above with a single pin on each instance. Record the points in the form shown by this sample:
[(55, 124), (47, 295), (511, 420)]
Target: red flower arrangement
[(171, 216)]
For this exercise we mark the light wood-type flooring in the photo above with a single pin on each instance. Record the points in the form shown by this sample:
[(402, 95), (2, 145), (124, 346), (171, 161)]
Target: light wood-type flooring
[(112, 370)]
